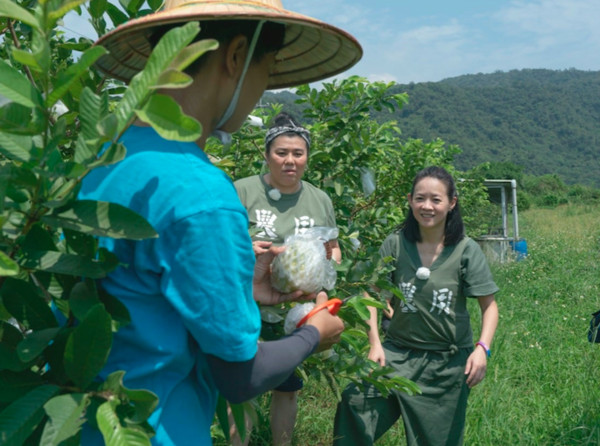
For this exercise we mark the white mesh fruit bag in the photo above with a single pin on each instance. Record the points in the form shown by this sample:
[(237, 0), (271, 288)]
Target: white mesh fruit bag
[(304, 264), (294, 316)]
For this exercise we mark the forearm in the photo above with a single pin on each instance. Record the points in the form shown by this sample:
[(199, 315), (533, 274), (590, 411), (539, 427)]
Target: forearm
[(273, 363), (373, 324), (489, 319)]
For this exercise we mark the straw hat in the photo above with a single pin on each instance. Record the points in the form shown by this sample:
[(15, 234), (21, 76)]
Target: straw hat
[(312, 50)]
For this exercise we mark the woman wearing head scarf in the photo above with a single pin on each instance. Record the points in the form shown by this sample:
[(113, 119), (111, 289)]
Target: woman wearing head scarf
[(191, 291), (281, 204), (429, 339)]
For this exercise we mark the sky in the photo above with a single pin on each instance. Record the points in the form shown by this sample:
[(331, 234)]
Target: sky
[(429, 40)]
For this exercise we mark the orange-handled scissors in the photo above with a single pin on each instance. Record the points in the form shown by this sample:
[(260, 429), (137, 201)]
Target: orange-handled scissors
[(332, 305)]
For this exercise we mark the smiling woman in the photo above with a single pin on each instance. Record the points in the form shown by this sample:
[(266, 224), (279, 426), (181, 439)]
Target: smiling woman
[(429, 339)]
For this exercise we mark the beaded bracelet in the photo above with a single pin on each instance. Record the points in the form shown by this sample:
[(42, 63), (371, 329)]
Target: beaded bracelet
[(488, 352)]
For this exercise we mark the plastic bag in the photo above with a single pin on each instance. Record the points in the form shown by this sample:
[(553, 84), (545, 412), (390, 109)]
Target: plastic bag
[(304, 265), (367, 177), (294, 316)]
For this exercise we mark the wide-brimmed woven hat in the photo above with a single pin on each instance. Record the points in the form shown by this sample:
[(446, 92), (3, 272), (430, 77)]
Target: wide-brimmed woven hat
[(312, 50)]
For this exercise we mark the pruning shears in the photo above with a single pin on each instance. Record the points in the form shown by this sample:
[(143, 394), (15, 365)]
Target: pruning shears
[(332, 305)]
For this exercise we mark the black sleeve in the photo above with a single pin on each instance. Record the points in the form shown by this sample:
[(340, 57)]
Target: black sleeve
[(273, 363)]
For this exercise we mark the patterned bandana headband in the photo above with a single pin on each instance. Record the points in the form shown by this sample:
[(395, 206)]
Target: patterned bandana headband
[(278, 131)]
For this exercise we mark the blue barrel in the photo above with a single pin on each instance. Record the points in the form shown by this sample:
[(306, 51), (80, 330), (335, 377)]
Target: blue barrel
[(520, 248)]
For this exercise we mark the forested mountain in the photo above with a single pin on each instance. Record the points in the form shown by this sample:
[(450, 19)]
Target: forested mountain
[(544, 120)]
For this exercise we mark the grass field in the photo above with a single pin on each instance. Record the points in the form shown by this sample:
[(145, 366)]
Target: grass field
[(543, 380)]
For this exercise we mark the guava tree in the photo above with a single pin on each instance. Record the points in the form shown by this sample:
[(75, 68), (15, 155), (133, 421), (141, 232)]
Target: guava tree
[(367, 168)]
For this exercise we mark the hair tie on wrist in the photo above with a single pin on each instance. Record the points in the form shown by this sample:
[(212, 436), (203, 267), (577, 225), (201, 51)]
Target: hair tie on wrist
[(488, 352)]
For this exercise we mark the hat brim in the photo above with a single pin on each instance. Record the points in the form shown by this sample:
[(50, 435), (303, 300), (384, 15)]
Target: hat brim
[(312, 50)]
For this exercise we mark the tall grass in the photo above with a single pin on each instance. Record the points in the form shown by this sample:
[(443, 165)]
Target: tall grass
[(543, 380), (543, 383)]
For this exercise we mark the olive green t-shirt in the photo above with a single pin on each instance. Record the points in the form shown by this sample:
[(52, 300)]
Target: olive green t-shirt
[(433, 314), (290, 215)]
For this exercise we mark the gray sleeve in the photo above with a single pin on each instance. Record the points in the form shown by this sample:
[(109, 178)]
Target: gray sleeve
[(475, 272), (273, 363)]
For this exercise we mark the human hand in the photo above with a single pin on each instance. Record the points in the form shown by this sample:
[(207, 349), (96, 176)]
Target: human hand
[(260, 247), (377, 354), (476, 367), (330, 327), (262, 289)]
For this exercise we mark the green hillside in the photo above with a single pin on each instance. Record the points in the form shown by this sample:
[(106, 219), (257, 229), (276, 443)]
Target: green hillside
[(544, 120)]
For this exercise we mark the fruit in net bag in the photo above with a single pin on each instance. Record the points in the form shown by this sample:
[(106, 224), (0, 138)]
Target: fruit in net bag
[(295, 315), (304, 265)]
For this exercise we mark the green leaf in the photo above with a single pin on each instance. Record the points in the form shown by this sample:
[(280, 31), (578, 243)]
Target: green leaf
[(239, 418), (155, 4), (117, 310), (8, 8), (82, 244), (82, 45), (92, 110), (10, 337), (131, 6), (352, 340), (73, 73), (173, 79), (113, 154), (66, 417), (17, 87), (61, 263), (20, 419), (190, 53), (13, 385), (97, 8), (117, 16), (16, 118), (63, 189), (169, 121), (143, 402), (102, 219), (65, 7), (24, 302), (174, 41), (8, 267), (107, 127), (16, 147), (35, 343), (362, 310), (82, 299), (113, 432), (223, 416), (40, 49), (370, 302), (38, 238), (88, 346), (55, 355), (26, 58)]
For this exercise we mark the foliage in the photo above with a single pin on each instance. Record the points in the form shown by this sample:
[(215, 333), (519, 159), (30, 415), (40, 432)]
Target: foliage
[(56, 326), (544, 121), (347, 145), (63, 120), (541, 386)]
